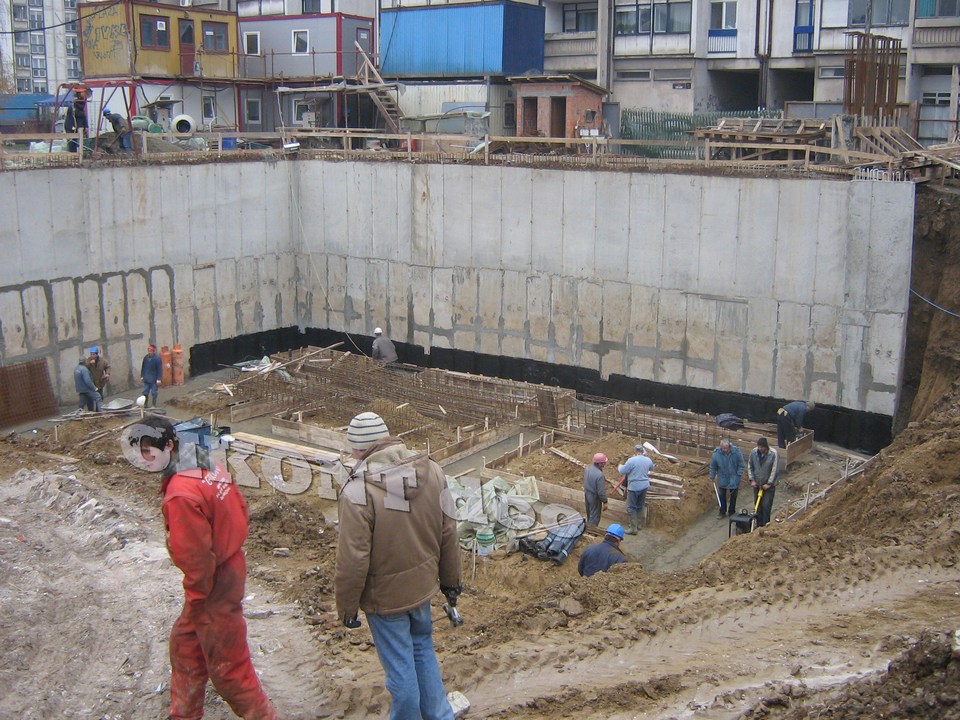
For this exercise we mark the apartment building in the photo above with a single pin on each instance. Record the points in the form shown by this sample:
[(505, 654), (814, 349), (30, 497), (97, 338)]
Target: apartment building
[(39, 44)]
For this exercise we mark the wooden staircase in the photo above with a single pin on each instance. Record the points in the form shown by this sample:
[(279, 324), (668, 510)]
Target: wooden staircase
[(382, 94)]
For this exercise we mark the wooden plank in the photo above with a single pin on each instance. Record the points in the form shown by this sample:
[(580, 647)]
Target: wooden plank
[(568, 458), (293, 448), (469, 445), (255, 408), (306, 432)]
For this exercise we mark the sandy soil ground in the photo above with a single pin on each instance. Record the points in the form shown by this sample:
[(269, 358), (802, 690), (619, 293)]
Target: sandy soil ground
[(843, 611)]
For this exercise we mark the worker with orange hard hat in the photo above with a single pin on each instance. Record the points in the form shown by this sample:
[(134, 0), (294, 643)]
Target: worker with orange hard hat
[(595, 488)]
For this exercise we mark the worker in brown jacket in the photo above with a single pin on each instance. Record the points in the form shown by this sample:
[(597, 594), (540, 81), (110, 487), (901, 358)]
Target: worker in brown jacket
[(397, 547)]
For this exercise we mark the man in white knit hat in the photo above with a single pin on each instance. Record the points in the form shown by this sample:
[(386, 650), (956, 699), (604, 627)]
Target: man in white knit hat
[(397, 547)]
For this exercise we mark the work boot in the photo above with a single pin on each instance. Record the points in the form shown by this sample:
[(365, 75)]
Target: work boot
[(632, 530)]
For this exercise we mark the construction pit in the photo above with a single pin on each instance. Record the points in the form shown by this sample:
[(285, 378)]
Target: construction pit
[(843, 607)]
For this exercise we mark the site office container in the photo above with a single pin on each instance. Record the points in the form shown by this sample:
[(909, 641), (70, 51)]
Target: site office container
[(503, 38)]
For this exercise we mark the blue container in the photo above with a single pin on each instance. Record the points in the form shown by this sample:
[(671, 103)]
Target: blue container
[(194, 431), (228, 144), (502, 38)]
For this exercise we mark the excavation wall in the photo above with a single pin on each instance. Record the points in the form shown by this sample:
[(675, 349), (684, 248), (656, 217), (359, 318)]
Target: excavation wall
[(789, 288)]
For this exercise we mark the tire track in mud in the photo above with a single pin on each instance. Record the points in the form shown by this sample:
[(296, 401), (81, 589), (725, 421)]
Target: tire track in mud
[(707, 653)]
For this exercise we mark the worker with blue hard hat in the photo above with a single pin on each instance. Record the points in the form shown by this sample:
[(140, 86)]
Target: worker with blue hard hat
[(603, 555)]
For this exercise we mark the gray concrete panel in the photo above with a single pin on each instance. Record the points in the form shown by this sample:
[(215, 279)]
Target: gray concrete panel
[(428, 248), (122, 375), (11, 271), (287, 287), (858, 243), (253, 226), (546, 218), (35, 317), (701, 330), (587, 351), (644, 336), (399, 298), (681, 239), (564, 320), (13, 328), (888, 269), (484, 220), (336, 292), (851, 358), (62, 378), (68, 224), (139, 307), (514, 304), (376, 309), (884, 348), (646, 210), (421, 302), (757, 237), (442, 306), (489, 314), (203, 219), (456, 228), (831, 231), (672, 322), (184, 312), (718, 269), (516, 231), (173, 187), (163, 325), (228, 290), (35, 233), (269, 295), (761, 344), (385, 240), (281, 217), (63, 297), (355, 315), (798, 215), (405, 214), (335, 223), (538, 310), (612, 245), (232, 196), (579, 236), (205, 303), (615, 316), (91, 320), (362, 193), (246, 303)]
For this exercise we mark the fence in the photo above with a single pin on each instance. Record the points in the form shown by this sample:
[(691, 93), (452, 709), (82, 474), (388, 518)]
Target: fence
[(670, 134)]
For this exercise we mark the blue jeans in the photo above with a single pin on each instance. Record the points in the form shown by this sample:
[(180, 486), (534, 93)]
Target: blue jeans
[(404, 644), (150, 388), (635, 501)]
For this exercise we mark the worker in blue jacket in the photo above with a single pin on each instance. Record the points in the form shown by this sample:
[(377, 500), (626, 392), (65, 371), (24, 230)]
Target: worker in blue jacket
[(83, 381), (151, 372), (603, 555), (790, 420), (726, 470)]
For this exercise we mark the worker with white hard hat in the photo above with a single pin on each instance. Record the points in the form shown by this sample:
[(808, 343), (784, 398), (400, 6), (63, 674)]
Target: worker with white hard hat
[(595, 489), (383, 351)]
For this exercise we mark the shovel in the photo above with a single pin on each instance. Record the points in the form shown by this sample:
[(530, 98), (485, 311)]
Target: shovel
[(650, 447)]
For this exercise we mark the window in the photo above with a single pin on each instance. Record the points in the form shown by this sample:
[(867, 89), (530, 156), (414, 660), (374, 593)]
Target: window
[(831, 71), (509, 114), (252, 110), (69, 4), (73, 46), (804, 16), (73, 69), (251, 43), (23, 86), (300, 108), (633, 75), (671, 17), (70, 19), (301, 42), (723, 15), (22, 61), (631, 18), (937, 8), (154, 32), (209, 108), (672, 74), (21, 38), (215, 37), (39, 67), (20, 13), (36, 19), (885, 12), (580, 17), (313, 7), (936, 98), (35, 3), (40, 88), (37, 45)]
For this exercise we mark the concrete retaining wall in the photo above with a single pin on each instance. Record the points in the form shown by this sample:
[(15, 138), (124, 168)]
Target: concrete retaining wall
[(786, 288)]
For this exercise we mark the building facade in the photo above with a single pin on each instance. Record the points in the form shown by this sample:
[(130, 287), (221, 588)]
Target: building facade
[(39, 45)]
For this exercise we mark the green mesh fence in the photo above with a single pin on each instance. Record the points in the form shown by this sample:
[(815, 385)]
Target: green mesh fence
[(674, 127)]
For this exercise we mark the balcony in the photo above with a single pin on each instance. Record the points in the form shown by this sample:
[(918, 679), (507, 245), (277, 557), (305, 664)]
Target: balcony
[(722, 40), (569, 52), (936, 37)]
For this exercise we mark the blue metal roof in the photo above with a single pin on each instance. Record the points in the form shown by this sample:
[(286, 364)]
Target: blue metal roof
[(22, 107)]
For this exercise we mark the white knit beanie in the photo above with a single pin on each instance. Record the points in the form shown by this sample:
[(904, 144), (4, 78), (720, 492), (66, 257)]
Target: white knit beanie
[(365, 429)]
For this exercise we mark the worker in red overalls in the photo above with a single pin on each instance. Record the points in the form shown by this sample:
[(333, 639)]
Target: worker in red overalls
[(206, 522)]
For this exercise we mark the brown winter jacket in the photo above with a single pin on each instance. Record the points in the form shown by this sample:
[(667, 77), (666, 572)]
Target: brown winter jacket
[(396, 544)]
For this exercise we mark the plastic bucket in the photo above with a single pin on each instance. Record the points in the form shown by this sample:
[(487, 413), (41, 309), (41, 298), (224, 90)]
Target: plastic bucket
[(485, 542)]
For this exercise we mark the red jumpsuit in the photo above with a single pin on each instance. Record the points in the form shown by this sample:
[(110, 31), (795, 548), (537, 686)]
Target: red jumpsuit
[(206, 522)]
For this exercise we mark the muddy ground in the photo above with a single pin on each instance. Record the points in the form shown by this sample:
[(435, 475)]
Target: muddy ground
[(842, 611)]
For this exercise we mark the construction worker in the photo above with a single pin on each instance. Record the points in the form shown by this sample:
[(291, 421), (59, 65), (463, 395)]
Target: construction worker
[(603, 555), (396, 548), (151, 372), (595, 488), (206, 522), (383, 351), (726, 470), (790, 420), (120, 127), (99, 368), (762, 472), (636, 472), (83, 381)]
